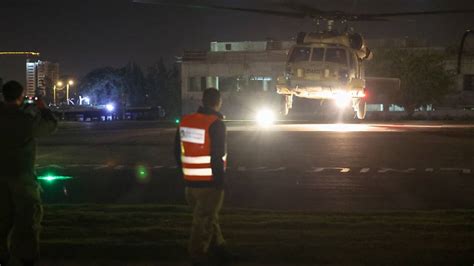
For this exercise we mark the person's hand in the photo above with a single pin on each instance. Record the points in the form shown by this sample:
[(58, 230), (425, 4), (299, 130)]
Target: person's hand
[(40, 103)]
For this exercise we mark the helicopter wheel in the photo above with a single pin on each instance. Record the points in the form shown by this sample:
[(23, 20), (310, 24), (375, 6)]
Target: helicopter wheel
[(287, 104), (361, 108)]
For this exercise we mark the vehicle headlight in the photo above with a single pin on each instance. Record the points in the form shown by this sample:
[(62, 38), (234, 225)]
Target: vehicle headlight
[(265, 117)]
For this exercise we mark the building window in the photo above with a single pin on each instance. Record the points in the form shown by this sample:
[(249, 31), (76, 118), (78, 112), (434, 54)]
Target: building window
[(227, 84), (469, 82), (228, 46), (194, 84)]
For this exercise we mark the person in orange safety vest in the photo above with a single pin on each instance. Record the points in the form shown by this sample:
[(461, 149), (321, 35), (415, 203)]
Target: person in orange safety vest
[(200, 150)]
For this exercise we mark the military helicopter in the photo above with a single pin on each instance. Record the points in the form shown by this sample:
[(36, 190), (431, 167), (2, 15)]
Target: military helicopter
[(326, 64)]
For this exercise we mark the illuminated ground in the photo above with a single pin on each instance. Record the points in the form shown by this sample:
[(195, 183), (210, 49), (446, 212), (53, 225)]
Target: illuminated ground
[(330, 167)]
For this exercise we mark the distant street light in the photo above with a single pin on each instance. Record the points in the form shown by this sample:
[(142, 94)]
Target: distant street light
[(60, 84)]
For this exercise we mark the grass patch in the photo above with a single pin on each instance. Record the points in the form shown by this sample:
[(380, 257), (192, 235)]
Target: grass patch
[(160, 233)]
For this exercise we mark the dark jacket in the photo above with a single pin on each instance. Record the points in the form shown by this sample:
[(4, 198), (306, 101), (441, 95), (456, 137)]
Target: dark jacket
[(19, 127), (217, 133)]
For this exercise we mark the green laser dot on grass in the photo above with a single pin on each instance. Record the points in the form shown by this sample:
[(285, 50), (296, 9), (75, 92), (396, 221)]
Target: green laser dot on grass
[(142, 172)]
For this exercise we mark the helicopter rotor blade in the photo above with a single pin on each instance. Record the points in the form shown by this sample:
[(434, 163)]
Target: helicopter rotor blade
[(401, 14), (306, 11), (210, 6), (303, 8)]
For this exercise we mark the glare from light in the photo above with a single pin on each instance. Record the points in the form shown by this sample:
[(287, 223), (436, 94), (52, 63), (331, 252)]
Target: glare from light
[(343, 99), (176, 121), (51, 178), (71, 82), (110, 107), (341, 127), (265, 117), (60, 83)]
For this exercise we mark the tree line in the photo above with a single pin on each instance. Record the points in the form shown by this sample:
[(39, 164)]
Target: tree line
[(424, 75), (130, 86)]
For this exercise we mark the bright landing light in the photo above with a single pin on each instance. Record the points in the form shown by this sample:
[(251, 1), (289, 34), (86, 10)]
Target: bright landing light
[(265, 117), (343, 99)]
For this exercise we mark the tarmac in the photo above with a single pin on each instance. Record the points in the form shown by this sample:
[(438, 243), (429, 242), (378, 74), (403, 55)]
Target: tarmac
[(304, 166)]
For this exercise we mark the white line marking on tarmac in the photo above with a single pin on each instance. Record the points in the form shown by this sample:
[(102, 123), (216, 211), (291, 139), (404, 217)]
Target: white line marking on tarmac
[(364, 170), (386, 170), (462, 170), (322, 169), (101, 167), (275, 169)]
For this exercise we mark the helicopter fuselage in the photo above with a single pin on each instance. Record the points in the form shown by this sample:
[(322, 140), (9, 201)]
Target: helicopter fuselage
[(322, 71), (326, 66)]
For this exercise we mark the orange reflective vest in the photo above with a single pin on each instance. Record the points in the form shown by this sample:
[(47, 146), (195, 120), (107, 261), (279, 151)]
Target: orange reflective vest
[(196, 146)]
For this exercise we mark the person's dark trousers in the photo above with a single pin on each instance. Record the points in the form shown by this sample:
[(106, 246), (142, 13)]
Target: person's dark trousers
[(206, 232), (21, 214)]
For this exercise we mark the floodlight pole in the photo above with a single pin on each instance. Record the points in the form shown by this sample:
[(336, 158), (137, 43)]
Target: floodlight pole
[(461, 49)]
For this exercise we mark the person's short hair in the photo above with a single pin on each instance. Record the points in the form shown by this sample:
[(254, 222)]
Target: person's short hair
[(12, 90), (211, 97)]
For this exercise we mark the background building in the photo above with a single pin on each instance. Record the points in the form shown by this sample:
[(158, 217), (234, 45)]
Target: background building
[(41, 77), (246, 73)]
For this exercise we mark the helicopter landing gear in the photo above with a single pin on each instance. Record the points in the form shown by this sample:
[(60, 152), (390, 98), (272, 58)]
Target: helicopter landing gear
[(287, 104), (360, 106)]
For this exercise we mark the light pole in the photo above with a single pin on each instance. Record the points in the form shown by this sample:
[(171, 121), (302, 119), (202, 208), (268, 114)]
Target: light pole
[(55, 87), (69, 83)]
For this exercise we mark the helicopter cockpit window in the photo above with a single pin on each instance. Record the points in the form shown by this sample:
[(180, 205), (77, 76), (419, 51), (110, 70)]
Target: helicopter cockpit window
[(336, 55), (318, 54), (300, 54)]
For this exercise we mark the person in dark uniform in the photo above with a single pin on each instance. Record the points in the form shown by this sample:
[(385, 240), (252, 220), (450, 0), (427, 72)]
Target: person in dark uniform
[(20, 203), (200, 150)]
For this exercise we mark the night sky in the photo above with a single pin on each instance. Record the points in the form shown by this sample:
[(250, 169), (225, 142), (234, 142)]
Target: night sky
[(83, 35)]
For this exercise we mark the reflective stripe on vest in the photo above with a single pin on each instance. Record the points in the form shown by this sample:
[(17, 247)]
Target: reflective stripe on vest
[(197, 171), (196, 146), (199, 159)]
